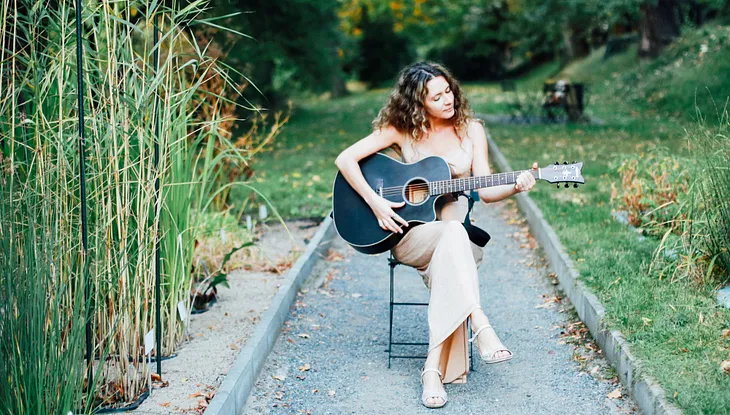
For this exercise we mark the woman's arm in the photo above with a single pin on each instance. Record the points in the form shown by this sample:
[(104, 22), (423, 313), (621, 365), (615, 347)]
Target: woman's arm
[(480, 167), (347, 162)]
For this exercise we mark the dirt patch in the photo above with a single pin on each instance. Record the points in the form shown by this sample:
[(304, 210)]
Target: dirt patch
[(217, 336)]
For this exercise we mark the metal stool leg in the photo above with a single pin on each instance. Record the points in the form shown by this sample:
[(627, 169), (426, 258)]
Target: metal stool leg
[(392, 265)]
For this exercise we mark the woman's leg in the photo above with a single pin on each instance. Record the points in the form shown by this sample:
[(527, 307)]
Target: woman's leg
[(431, 379), (487, 339)]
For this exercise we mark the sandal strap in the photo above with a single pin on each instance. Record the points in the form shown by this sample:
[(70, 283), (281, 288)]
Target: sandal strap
[(479, 331), (431, 370)]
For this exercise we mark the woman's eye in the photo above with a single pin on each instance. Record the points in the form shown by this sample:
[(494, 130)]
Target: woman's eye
[(448, 90), (437, 98)]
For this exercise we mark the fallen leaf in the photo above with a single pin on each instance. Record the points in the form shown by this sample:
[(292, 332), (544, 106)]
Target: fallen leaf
[(279, 377), (616, 394), (725, 333), (304, 336), (304, 368), (165, 404), (233, 346), (646, 321), (725, 365), (333, 255), (301, 377), (315, 390), (356, 295), (331, 392)]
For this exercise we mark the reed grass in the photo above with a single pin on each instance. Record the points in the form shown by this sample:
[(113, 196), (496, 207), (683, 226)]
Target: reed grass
[(42, 280)]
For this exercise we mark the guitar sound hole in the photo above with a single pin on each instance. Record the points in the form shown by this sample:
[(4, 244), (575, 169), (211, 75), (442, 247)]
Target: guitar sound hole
[(417, 191)]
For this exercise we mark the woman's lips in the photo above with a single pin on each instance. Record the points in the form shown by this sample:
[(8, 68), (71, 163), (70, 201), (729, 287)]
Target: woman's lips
[(449, 109)]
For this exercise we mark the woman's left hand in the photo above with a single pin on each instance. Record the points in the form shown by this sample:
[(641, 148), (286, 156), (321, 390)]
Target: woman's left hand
[(526, 180)]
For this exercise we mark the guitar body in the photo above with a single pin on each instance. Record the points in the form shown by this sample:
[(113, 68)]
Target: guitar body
[(355, 221)]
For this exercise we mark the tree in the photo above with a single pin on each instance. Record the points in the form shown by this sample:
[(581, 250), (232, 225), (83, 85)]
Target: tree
[(294, 47), (660, 25)]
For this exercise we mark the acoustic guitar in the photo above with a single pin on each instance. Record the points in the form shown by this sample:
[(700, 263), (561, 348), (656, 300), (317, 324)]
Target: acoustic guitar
[(419, 184)]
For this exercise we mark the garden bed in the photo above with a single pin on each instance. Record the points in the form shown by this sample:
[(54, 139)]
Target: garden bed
[(216, 337)]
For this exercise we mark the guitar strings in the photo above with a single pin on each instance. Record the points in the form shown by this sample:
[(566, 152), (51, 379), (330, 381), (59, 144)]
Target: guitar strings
[(396, 190)]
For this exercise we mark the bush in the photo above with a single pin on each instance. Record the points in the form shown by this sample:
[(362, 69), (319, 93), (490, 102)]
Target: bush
[(685, 202)]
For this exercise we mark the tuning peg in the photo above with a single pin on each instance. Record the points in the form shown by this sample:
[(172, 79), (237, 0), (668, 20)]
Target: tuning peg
[(575, 185), (565, 162), (558, 185), (556, 163), (566, 185), (573, 162)]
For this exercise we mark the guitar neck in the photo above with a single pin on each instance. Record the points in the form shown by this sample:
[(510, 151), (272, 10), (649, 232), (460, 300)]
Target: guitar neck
[(476, 182)]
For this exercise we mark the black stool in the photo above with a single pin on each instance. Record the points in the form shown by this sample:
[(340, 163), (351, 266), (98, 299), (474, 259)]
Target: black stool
[(392, 262)]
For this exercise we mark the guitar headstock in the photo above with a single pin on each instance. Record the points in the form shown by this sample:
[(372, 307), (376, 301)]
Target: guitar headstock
[(563, 173)]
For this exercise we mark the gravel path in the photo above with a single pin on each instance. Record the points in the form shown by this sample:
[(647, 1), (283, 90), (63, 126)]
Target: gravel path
[(338, 330)]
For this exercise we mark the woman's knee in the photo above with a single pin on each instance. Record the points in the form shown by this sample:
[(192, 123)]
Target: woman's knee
[(454, 227)]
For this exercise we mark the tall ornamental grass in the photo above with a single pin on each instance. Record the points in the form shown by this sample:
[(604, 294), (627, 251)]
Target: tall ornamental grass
[(42, 307)]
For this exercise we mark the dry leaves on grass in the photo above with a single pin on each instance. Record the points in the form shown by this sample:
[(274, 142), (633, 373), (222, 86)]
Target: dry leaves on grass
[(725, 366), (304, 368)]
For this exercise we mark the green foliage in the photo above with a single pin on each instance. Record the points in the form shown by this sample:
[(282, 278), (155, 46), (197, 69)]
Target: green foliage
[(44, 263), (42, 313), (712, 147), (382, 51), (687, 77), (294, 46)]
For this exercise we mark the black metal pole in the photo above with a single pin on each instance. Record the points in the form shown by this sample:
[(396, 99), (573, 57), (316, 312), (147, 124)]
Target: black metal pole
[(158, 294), (82, 181)]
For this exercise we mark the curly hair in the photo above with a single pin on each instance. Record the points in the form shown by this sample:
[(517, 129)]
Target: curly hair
[(405, 108)]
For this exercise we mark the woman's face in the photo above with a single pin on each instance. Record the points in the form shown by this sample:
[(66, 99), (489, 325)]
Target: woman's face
[(439, 98)]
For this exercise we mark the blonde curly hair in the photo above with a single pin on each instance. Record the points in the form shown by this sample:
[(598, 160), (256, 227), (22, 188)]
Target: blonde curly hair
[(405, 110)]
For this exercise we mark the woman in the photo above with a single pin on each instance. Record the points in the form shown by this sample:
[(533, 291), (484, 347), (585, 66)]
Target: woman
[(426, 114)]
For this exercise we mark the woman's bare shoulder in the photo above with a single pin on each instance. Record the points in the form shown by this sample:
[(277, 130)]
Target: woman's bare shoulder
[(476, 130), (390, 134)]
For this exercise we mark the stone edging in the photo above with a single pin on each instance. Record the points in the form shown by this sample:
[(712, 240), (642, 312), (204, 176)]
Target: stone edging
[(647, 393), (232, 394)]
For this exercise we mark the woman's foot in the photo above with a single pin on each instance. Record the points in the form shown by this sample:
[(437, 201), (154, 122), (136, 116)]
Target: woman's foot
[(490, 347), (434, 394)]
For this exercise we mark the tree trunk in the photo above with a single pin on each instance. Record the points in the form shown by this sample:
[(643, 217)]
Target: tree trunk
[(576, 42), (659, 26), (339, 88)]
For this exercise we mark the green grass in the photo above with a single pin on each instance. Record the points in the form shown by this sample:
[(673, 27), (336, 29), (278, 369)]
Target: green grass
[(674, 326)]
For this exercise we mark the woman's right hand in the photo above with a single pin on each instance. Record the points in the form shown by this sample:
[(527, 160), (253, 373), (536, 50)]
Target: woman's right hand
[(383, 210)]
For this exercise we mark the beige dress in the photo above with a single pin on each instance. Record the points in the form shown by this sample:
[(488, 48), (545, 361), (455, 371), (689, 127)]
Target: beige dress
[(447, 261)]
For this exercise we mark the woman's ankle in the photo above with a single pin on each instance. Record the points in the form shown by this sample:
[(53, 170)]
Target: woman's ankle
[(478, 319)]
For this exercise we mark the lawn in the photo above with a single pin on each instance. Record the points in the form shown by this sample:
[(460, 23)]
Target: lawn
[(674, 326)]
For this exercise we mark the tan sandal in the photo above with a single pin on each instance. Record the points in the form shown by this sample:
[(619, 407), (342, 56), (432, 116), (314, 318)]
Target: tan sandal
[(488, 356), (432, 393)]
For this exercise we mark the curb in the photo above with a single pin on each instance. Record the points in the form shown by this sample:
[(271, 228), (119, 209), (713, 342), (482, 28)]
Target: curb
[(647, 393), (232, 394)]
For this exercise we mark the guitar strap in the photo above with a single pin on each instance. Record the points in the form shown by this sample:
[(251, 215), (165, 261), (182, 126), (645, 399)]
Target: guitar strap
[(479, 236)]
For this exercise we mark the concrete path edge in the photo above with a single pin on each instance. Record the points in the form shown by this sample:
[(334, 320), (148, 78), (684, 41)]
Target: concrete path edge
[(232, 394), (648, 394)]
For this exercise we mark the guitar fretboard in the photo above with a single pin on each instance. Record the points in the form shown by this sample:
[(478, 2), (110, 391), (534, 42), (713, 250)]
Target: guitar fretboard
[(476, 182)]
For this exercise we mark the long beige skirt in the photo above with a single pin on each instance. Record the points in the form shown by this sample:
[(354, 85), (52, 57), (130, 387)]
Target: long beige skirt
[(447, 261)]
